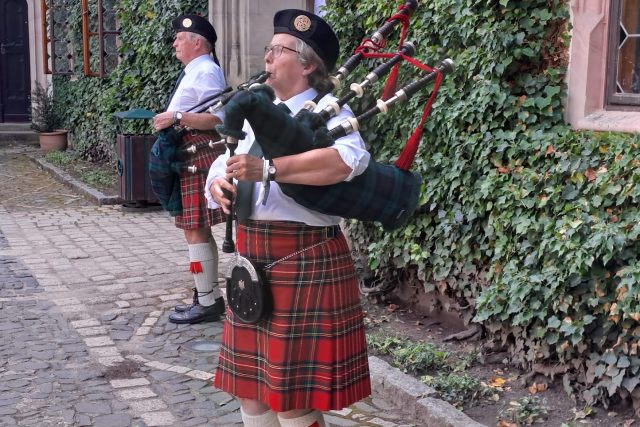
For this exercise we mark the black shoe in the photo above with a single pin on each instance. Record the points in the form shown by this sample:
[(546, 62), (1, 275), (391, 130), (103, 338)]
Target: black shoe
[(184, 307), (199, 313)]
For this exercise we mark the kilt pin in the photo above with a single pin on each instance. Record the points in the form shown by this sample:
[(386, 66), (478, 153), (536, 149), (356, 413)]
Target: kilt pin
[(311, 352), (195, 213)]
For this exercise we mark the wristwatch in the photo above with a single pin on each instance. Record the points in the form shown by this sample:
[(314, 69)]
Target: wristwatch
[(178, 117), (272, 170)]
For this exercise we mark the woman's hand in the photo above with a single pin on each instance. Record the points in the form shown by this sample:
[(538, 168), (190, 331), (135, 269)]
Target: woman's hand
[(244, 167), (220, 188)]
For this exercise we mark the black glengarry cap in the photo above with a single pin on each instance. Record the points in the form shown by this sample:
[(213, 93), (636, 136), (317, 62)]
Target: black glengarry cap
[(193, 23), (311, 29)]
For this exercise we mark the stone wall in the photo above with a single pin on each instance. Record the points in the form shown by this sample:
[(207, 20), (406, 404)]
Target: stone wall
[(244, 28)]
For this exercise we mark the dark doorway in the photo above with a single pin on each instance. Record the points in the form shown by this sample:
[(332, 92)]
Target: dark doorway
[(15, 75)]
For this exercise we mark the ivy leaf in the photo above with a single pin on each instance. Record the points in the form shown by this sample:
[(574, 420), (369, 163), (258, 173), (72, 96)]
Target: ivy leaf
[(631, 383), (610, 358), (554, 322), (623, 362), (570, 192)]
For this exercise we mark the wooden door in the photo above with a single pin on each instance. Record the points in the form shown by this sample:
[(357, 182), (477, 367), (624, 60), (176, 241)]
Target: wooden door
[(15, 76)]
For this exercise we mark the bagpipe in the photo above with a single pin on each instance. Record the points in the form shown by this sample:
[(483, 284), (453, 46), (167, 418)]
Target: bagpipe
[(384, 193)]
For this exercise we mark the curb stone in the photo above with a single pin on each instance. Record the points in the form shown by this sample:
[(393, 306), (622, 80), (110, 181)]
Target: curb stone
[(91, 193), (410, 394)]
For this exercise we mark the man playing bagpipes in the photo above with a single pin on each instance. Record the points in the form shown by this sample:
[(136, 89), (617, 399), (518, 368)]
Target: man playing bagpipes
[(309, 353), (202, 78)]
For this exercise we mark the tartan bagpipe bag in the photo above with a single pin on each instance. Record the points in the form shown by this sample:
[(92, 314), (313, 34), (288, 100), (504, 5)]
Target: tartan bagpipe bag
[(382, 193), (164, 170)]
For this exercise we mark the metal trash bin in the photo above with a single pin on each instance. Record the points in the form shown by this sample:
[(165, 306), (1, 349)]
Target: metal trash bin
[(133, 163)]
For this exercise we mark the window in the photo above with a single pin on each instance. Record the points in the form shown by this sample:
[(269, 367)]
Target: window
[(99, 37), (623, 70), (598, 44), (57, 49)]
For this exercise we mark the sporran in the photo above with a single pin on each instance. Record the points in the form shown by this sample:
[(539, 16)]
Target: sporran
[(248, 293)]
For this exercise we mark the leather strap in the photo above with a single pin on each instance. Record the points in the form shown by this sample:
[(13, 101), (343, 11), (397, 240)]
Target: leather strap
[(173, 92), (244, 189)]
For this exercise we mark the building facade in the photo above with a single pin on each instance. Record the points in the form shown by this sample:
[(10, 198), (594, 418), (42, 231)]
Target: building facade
[(603, 79)]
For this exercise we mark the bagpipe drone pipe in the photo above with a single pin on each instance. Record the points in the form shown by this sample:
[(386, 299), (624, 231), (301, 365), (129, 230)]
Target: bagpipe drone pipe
[(384, 193)]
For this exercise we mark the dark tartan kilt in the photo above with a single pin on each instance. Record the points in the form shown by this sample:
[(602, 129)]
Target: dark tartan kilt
[(312, 351), (195, 213)]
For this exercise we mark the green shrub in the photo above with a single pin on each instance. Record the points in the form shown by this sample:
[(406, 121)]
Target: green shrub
[(529, 226), (97, 178), (45, 112), (58, 158), (458, 389), (413, 357), (525, 411)]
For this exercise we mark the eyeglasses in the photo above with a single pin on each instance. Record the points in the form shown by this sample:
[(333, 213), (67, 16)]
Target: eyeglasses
[(276, 50)]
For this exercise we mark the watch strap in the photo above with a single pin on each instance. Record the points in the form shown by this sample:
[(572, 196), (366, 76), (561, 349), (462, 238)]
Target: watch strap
[(272, 171)]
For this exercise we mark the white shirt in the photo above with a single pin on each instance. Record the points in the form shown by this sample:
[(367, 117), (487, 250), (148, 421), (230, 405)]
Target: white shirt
[(202, 78), (280, 207)]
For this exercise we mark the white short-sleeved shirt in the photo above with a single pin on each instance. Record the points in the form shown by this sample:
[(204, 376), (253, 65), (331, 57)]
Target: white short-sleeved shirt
[(202, 78), (280, 207)]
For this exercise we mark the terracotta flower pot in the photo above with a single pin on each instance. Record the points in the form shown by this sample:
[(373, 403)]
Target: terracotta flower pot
[(56, 140)]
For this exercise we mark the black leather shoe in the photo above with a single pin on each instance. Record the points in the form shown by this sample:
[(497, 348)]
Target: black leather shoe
[(184, 307), (199, 313)]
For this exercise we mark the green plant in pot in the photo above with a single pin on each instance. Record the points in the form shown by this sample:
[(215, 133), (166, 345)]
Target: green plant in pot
[(47, 120)]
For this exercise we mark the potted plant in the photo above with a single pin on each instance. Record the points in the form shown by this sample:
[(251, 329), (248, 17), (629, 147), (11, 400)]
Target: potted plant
[(46, 119)]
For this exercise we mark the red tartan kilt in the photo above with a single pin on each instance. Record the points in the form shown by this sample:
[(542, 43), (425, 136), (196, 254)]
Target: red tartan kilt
[(311, 352), (195, 213)]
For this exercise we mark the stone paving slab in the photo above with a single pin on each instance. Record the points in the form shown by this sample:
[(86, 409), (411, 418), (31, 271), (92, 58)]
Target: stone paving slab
[(85, 293)]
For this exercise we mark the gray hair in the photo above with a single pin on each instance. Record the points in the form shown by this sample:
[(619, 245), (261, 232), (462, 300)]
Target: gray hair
[(207, 45), (319, 78)]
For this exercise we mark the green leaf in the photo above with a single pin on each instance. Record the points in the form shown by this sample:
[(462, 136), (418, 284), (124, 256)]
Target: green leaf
[(554, 322)]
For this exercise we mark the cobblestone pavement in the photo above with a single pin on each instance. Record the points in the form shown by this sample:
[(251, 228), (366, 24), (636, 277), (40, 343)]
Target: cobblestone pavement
[(85, 294)]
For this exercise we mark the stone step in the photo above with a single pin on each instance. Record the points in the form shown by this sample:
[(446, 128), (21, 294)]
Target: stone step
[(26, 136), (17, 133), (6, 127)]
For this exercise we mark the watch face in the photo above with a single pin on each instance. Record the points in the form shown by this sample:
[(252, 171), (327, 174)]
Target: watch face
[(272, 170), (179, 116)]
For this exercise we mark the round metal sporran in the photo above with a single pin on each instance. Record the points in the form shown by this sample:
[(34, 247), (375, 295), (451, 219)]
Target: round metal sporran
[(248, 295)]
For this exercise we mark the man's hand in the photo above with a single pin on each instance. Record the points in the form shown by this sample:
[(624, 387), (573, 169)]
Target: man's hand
[(163, 120)]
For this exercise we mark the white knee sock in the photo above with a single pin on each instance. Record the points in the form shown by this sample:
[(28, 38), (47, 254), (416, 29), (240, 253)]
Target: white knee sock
[(204, 267), (268, 419), (312, 419)]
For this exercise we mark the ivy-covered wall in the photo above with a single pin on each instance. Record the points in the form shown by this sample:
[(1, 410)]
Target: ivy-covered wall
[(143, 79), (531, 227)]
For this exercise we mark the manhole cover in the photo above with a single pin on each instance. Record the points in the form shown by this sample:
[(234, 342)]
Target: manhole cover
[(203, 346)]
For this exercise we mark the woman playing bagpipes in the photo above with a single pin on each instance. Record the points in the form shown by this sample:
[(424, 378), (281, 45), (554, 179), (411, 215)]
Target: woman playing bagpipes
[(309, 353), (293, 343)]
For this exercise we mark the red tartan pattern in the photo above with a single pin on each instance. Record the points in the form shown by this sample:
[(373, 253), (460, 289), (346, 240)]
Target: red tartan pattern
[(311, 353), (195, 213)]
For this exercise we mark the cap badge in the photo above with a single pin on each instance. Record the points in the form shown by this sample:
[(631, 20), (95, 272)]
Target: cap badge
[(186, 22), (302, 23)]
